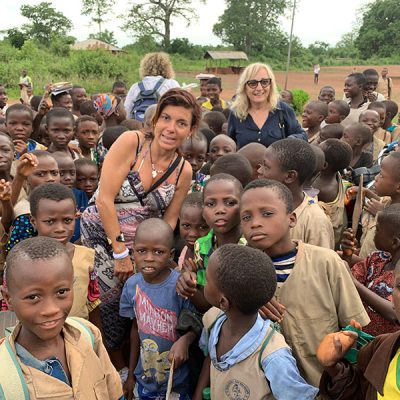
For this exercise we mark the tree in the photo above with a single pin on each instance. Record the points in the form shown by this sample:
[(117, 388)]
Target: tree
[(45, 22), (15, 37), (249, 25), (105, 36), (97, 9), (154, 17), (379, 33)]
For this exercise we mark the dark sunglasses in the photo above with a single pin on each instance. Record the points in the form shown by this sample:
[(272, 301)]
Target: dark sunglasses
[(253, 83)]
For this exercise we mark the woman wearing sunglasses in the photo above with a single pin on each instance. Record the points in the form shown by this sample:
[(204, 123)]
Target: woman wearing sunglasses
[(257, 114)]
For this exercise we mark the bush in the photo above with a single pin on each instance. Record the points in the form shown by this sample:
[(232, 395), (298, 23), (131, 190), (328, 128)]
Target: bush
[(300, 97)]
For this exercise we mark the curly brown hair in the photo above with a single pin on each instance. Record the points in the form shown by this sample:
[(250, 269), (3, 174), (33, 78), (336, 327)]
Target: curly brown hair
[(154, 64)]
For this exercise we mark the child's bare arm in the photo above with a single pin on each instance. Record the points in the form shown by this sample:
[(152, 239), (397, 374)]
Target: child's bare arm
[(180, 349), (204, 379), (26, 165), (7, 215), (133, 360)]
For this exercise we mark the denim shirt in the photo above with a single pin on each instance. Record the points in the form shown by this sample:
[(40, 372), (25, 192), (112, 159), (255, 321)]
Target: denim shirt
[(279, 368), (246, 131), (51, 366)]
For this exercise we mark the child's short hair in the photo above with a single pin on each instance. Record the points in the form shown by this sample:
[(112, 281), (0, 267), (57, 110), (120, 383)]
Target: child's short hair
[(111, 134), (327, 87), (132, 124), (234, 164), (35, 102), (227, 112), (319, 161), (224, 177), (391, 107), (50, 191), (279, 188), (40, 154), (320, 106), (342, 106), (338, 154), (209, 135), (59, 112), (297, 155), (253, 151), (33, 249), (81, 162), (215, 120), (377, 105), (56, 98), (197, 137), (215, 81), (2, 134), (362, 130), (391, 215), (370, 72), (84, 118), (159, 225), (193, 200), (333, 131), (119, 84), (358, 77), (246, 276), (18, 107)]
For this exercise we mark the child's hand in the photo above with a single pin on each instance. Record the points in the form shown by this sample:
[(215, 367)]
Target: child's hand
[(179, 352), (128, 387), (348, 243), (273, 310), (186, 286), (75, 148), (44, 108), (20, 146), (334, 346), (5, 190), (373, 206), (27, 164)]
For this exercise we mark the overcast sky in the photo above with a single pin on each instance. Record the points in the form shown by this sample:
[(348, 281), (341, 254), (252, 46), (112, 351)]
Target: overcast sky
[(323, 20)]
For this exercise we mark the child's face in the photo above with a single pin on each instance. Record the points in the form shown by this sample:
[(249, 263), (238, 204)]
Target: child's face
[(55, 219), (87, 134), (326, 95), (87, 179), (61, 132), (382, 115), (6, 154), (371, 83), (213, 91), (371, 119), (152, 256), (271, 168), (221, 200), (383, 239), (3, 97), (333, 116), (78, 97), (19, 125), (195, 152), (67, 169), (219, 147), (351, 87), (352, 138), (203, 87), (224, 128), (65, 101), (211, 291), (192, 225), (119, 91), (45, 172), (311, 117), (264, 220), (41, 295), (385, 184)]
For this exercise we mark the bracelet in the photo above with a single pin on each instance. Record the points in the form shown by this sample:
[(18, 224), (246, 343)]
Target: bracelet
[(120, 256)]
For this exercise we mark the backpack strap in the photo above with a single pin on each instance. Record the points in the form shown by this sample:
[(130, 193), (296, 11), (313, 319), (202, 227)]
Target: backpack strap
[(83, 329), (12, 380), (141, 86), (265, 344), (158, 84)]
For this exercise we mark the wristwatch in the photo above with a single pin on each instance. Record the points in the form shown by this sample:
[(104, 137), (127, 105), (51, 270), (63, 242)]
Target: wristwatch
[(120, 238)]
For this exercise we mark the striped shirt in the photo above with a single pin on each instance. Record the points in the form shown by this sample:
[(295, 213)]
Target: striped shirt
[(284, 264)]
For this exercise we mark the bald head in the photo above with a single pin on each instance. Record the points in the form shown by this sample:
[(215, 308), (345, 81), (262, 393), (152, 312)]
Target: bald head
[(156, 230)]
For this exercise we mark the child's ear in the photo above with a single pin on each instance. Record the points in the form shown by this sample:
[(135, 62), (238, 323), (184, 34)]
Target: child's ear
[(341, 117), (172, 253), (396, 242), (224, 304), (291, 177), (325, 166), (321, 118), (45, 127), (292, 220), (33, 221), (7, 298)]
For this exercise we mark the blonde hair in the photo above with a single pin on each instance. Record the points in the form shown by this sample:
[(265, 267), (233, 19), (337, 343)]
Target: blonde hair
[(241, 104), (154, 64)]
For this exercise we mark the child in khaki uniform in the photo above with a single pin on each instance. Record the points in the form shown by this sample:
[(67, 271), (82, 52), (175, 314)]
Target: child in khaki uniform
[(314, 285), (372, 120), (53, 357), (313, 115), (331, 195), (381, 133), (292, 162), (242, 347)]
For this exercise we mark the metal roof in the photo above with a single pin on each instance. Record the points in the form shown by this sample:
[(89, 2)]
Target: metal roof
[(94, 44), (226, 55)]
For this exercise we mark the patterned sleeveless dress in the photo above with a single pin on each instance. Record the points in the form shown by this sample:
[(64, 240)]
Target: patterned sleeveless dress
[(133, 206)]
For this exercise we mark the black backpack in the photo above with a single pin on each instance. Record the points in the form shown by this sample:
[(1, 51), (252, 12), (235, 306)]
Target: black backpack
[(145, 99)]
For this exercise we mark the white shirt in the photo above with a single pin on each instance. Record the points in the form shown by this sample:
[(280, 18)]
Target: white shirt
[(149, 82)]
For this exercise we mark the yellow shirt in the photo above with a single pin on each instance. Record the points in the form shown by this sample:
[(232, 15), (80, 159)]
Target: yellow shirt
[(209, 106), (391, 388)]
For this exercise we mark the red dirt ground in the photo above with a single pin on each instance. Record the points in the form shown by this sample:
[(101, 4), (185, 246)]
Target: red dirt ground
[(333, 76)]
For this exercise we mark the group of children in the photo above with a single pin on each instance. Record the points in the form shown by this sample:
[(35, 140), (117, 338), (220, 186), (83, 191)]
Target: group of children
[(262, 272)]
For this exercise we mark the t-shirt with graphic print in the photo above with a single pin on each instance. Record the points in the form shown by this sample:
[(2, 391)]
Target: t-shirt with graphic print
[(156, 308)]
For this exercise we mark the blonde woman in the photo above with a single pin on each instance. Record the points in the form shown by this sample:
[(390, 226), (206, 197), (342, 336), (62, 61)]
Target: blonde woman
[(156, 73), (257, 114)]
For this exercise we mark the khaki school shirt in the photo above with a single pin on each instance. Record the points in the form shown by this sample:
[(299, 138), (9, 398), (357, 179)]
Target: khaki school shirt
[(335, 211), (320, 298), (93, 376), (354, 114), (313, 226)]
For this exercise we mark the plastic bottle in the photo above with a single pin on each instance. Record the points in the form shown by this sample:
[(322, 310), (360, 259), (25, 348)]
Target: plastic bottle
[(207, 393)]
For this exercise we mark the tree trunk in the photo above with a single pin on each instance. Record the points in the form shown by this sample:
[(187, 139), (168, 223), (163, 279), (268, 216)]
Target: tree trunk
[(167, 31)]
